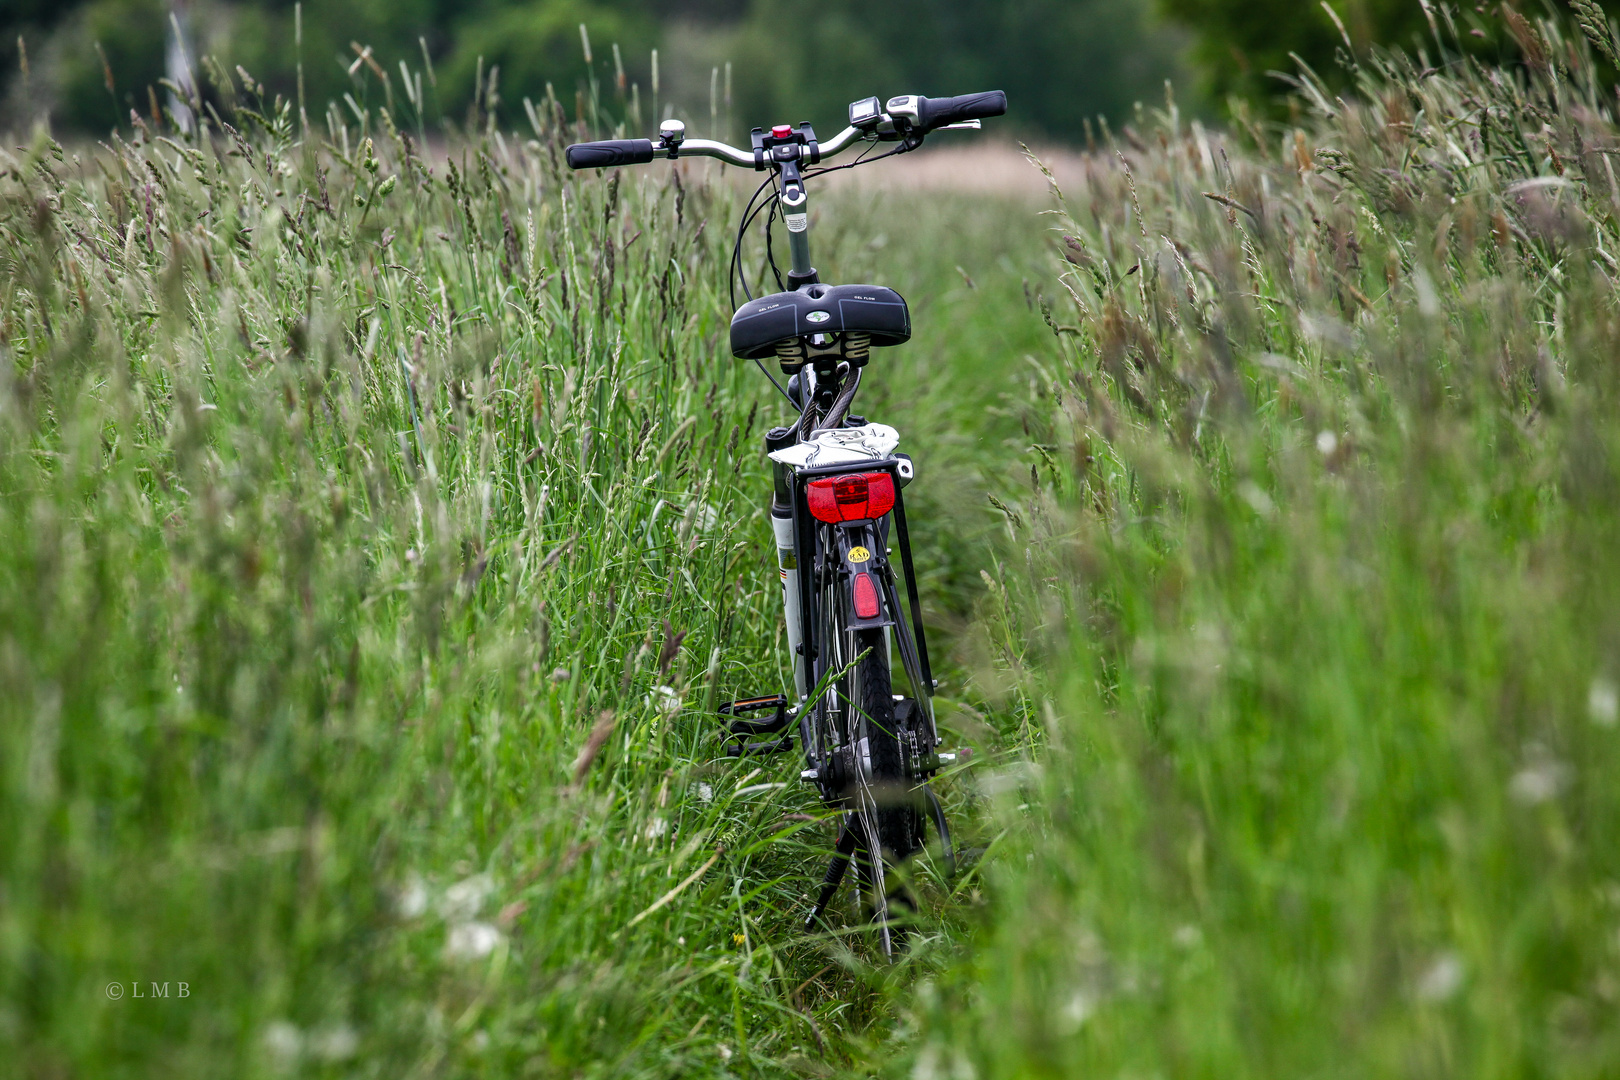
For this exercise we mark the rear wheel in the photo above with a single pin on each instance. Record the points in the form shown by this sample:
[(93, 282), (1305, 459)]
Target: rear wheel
[(886, 801)]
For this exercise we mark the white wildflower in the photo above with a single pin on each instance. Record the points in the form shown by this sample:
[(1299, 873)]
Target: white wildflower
[(1539, 782), (1326, 443), (337, 1043), (283, 1042), (463, 900), (412, 900), (1078, 1010), (1442, 979), (1258, 500), (1603, 702), (705, 792), (927, 1066), (663, 699), (656, 828), (469, 941)]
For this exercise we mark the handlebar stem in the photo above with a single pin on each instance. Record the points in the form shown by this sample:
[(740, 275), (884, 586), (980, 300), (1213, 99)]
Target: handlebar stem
[(796, 215)]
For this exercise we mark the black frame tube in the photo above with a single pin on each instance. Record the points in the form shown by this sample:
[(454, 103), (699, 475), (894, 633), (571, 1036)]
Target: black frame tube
[(804, 540), (911, 589)]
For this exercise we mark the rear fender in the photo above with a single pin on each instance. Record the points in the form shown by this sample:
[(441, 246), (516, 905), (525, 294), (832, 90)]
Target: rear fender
[(861, 555)]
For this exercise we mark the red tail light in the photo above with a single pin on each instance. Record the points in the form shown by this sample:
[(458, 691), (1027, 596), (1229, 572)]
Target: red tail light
[(851, 498), (866, 597)]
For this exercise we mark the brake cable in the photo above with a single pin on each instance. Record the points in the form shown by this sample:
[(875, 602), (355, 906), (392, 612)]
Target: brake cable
[(770, 249), (738, 273), (750, 213), (736, 249)]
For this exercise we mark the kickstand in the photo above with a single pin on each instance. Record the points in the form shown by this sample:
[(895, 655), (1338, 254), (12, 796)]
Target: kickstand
[(847, 842)]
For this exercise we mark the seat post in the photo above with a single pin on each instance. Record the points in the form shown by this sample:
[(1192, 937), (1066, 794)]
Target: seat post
[(796, 213)]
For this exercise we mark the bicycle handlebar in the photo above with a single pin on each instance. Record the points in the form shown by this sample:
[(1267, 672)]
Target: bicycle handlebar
[(601, 155), (938, 112), (911, 115)]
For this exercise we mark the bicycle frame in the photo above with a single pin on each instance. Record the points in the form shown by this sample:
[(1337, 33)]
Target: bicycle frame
[(822, 551), (863, 744)]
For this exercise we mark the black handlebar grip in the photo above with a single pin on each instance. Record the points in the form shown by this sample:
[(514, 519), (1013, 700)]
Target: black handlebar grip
[(602, 155), (937, 112)]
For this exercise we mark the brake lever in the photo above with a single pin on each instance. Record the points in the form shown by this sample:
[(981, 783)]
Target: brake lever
[(962, 125)]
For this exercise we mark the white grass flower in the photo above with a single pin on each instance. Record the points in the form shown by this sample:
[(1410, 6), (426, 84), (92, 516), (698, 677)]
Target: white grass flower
[(1441, 979), (337, 1043), (1253, 494), (1603, 702), (663, 699), (1539, 782), (927, 1065), (283, 1043), (463, 900), (1078, 1010), (705, 792), (931, 1065), (469, 941), (656, 828), (1326, 443), (412, 900)]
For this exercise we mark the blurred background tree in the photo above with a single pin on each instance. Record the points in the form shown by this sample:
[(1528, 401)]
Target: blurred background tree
[(89, 62), (1238, 43), (1060, 61)]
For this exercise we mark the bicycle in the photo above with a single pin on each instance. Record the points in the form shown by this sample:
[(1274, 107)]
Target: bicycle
[(837, 484)]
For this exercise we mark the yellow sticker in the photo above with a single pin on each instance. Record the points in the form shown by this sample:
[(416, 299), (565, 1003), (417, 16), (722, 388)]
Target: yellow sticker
[(859, 554)]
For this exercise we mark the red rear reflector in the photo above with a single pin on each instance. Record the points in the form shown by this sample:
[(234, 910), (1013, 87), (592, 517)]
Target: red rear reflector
[(866, 598), (851, 498), (781, 131)]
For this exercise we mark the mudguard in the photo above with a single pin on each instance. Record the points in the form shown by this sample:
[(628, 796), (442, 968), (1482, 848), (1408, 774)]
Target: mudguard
[(861, 554)]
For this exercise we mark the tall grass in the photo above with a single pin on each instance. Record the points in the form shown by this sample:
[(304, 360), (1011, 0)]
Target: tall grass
[(1315, 591), (377, 534)]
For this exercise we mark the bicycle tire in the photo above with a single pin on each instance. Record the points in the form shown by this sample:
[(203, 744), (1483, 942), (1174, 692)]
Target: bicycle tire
[(896, 818)]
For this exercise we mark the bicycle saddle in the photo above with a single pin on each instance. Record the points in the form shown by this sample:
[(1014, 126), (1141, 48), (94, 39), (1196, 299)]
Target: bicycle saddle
[(819, 309)]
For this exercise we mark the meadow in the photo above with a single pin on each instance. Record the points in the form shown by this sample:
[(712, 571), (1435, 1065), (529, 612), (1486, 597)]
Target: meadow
[(1312, 589), (379, 527), (380, 532)]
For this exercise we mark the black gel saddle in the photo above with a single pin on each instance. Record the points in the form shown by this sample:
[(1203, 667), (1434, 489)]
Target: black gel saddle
[(819, 309)]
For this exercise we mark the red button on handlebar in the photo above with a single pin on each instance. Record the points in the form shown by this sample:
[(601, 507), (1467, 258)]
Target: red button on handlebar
[(781, 131)]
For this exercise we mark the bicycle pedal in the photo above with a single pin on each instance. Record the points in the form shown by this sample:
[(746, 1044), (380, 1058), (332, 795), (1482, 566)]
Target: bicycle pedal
[(736, 709), (779, 746)]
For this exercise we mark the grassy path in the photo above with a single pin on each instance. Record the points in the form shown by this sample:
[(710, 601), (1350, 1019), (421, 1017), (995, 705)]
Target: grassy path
[(375, 539)]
